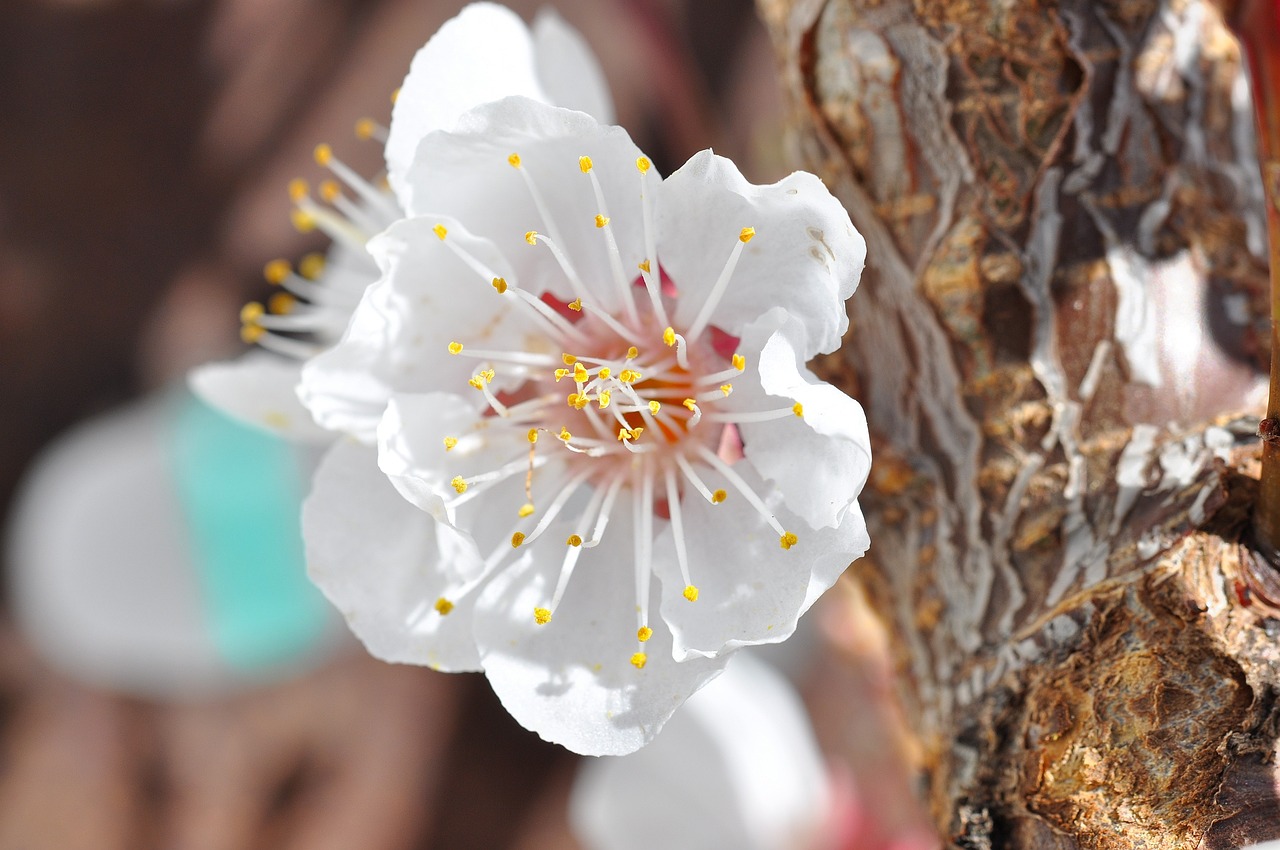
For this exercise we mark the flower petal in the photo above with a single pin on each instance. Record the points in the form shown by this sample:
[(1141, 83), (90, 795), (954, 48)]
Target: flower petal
[(259, 389), (751, 590), (567, 69), (571, 680), (399, 334), (805, 251), (820, 462), (466, 174), (384, 564), (483, 54)]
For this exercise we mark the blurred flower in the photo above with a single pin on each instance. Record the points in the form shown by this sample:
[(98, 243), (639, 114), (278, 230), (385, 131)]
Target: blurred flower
[(738, 767), (484, 53), (616, 395)]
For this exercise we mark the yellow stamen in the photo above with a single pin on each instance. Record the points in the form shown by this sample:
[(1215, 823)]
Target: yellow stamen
[(629, 376), (276, 271), (251, 312), (500, 285), (739, 362), (654, 407), (561, 374), (690, 403), (443, 606), (311, 266), (455, 348), (449, 443), (636, 432), (669, 336), (531, 237), (281, 303), (644, 267), (584, 162), (726, 388), (541, 616), (526, 510), (252, 333), (639, 660), (303, 222), (788, 540), (568, 359), (323, 154), (601, 220), (459, 485), (298, 189), (476, 382), (330, 191), (644, 633), (514, 160), (643, 164), (605, 372), (747, 234), (580, 373), (488, 375), (633, 353), (574, 540), (604, 398), (691, 593), (575, 305), (798, 409), (365, 128), (517, 539), (718, 496), (441, 231), (564, 434)]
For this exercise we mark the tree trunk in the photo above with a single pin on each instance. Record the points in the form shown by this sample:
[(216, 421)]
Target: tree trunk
[(1060, 341)]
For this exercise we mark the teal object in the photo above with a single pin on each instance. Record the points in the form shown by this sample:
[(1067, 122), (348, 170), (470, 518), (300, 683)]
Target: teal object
[(241, 492)]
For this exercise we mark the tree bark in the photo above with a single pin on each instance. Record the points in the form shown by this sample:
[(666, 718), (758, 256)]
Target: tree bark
[(1060, 340)]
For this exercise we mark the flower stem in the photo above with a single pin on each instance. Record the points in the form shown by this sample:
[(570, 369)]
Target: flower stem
[(1257, 24)]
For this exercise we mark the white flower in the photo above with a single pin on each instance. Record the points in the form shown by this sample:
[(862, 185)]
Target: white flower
[(588, 376), (737, 767), (486, 52)]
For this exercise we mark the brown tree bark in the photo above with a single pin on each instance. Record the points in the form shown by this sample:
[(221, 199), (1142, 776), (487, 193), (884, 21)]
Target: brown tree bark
[(1061, 341)]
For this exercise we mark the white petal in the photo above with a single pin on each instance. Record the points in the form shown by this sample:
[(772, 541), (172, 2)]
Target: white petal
[(465, 174), (751, 590), (805, 253), (737, 767), (571, 680), (384, 563), (568, 70), (399, 334), (259, 389), (483, 54), (819, 463)]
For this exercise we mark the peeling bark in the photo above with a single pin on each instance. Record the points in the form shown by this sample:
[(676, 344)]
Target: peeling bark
[(1059, 340)]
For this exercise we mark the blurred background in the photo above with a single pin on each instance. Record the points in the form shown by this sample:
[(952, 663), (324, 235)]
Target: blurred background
[(145, 150)]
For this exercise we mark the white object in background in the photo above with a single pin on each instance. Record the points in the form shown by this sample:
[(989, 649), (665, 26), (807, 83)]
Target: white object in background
[(736, 767)]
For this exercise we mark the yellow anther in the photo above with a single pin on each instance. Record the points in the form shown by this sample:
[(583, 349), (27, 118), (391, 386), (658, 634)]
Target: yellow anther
[(276, 271), (531, 237), (639, 660), (605, 372), (572, 399), (561, 374), (568, 359), (532, 435), (525, 510), (726, 388), (488, 375), (788, 540), (654, 407), (604, 398), (330, 191), (455, 348), (311, 266), (629, 376), (669, 336), (517, 539), (395, 95), (441, 231), (644, 633), (718, 496), (798, 409), (323, 154), (477, 382), (575, 305), (747, 234), (601, 220), (541, 616), (574, 540), (281, 303), (633, 353), (580, 373), (643, 164), (514, 160), (251, 313), (459, 484), (644, 267), (690, 403), (443, 606), (623, 434), (564, 434), (691, 593), (303, 222), (584, 162), (252, 333), (298, 189), (365, 128), (636, 432), (739, 362), (449, 443), (500, 284)]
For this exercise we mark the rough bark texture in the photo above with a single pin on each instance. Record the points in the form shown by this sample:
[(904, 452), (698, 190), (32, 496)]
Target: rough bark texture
[(1059, 342)]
